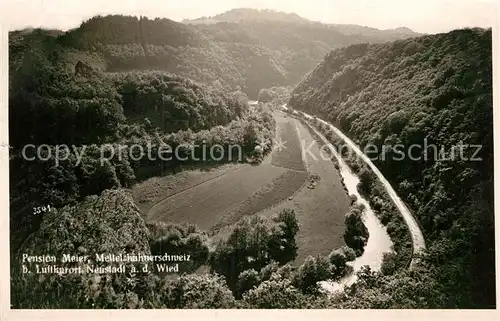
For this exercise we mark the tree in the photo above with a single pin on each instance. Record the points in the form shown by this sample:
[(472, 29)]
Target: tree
[(289, 225), (194, 291), (276, 293), (313, 270), (253, 243), (338, 259), (356, 233), (247, 280), (366, 178), (180, 239)]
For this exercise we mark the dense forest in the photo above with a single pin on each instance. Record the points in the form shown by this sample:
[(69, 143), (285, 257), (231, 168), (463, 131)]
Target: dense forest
[(261, 51), (54, 100), (437, 89)]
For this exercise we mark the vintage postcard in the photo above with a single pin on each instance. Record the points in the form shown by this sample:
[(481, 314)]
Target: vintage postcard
[(249, 155)]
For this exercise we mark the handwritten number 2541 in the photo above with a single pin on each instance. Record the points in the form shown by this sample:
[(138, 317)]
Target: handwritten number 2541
[(41, 209)]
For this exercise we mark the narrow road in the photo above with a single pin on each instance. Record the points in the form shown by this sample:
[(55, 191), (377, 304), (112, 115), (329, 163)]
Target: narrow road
[(415, 232)]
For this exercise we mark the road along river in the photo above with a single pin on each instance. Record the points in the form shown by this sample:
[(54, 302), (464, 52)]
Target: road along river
[(379, 241)]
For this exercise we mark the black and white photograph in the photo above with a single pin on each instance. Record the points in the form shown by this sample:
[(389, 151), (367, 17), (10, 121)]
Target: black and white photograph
[(224, 154)]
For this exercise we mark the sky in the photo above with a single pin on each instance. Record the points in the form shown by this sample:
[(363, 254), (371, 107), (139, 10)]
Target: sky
[(426, 16)]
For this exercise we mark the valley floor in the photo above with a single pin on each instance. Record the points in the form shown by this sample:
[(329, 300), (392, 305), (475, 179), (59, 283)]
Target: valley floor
[(216, 199), (320, 210)]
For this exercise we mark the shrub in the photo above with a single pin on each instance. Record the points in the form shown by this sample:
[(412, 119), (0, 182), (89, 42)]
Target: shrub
[(313, 270)]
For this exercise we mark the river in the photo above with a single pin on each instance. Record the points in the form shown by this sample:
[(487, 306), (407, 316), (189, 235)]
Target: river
[(379, 241)]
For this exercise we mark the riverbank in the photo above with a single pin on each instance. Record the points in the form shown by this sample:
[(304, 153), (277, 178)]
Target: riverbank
[(351, 181)]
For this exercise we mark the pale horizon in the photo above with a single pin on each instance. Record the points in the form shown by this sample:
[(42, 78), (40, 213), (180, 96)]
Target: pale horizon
[(424, 16)]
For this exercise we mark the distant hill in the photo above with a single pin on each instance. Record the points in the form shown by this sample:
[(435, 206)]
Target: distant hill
[(244, 48), (395, 34), (251, 17), (246, 14)]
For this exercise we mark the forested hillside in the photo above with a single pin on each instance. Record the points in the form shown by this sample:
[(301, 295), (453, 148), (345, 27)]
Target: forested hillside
[(112, 216), (435, 89), (263, 50), (57, 96)]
